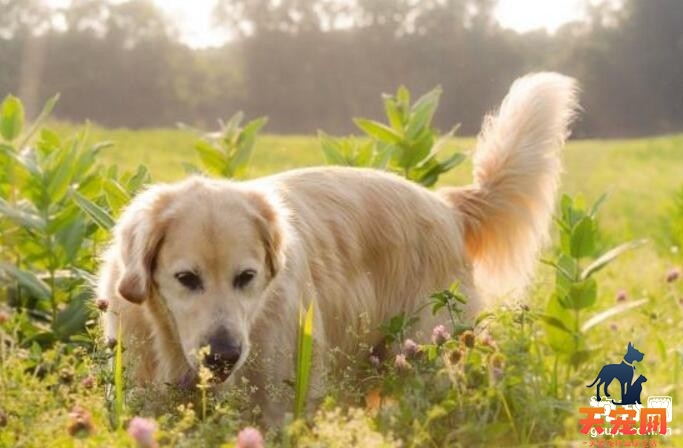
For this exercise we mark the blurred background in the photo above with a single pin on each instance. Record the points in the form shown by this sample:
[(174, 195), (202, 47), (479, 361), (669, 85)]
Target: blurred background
[(313, 64)]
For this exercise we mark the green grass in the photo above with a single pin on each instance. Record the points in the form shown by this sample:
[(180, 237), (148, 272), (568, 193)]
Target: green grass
[(640, 175)]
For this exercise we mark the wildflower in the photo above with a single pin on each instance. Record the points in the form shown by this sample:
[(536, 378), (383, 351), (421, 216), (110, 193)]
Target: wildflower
[(455, 356), (467, 338), (673, 275), (488, 340), (249, 437), (80, 422), (142, 431), (440, 335), (621, 296), (401, 363), (66, 376), (374, 360), (88, 382), (4, 317), (410, 348), (102, 304)]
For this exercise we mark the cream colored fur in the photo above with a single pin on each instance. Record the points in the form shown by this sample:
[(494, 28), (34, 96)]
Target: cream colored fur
[(364, 245)]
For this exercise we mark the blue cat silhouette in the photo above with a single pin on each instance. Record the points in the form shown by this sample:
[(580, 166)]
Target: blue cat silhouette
[(633, 393), (623, 372)]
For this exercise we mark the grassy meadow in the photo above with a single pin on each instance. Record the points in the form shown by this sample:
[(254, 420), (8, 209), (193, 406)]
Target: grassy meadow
[(514, 391)]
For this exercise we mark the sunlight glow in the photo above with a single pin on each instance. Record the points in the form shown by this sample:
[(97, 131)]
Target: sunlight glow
[(194, 19), (528, 15)]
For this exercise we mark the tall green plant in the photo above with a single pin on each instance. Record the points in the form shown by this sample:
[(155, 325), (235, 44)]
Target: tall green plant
[(48, 245), (576, 289), (227, 153), (407, 145)]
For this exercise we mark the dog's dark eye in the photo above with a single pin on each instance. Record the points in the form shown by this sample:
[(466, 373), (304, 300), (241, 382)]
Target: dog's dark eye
[(190, 280), (243, 278)]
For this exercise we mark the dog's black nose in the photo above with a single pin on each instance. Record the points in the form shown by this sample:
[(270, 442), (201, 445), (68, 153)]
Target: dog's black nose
[(224, 354)]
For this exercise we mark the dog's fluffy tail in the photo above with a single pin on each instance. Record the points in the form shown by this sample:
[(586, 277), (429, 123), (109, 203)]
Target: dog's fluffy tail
[(507, 210)]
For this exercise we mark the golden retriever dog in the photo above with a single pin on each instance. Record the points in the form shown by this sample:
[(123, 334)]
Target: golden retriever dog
[(230, 265)]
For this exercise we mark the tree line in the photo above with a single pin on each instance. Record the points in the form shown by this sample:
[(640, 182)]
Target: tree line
[(314, 64)]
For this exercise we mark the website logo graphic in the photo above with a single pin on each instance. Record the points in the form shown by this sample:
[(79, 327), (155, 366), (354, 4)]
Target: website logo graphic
[(627, 416)]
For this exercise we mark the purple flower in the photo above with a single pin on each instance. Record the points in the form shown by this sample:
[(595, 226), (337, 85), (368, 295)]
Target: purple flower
[(410, 348), (621, 295), (401, 363), (440, 335), (673, 275), (88, 382), (142, 431), (249, 437)]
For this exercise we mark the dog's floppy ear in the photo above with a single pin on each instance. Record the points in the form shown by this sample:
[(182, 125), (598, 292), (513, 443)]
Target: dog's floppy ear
[(269, 224), (138, 235)]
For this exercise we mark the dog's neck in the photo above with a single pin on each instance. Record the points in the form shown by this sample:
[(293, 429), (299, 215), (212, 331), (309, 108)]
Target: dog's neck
[(629, 363)]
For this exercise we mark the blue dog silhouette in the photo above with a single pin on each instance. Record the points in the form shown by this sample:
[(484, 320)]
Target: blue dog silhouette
[(623, 372)]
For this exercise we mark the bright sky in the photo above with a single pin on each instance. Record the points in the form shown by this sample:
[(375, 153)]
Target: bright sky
[(193, 18)]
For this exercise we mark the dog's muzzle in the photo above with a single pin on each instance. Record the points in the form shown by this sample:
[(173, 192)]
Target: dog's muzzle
[(224, 354)]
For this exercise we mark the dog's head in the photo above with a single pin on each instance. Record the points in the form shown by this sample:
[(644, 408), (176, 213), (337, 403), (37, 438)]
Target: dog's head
[(202, 253), (632, 354)]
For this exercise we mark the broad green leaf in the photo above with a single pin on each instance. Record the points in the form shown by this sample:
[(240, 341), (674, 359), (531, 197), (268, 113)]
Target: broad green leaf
[(59, 179), (554, 322), (378, 131), (416, 151), (403, 98), (28, 280), (11, 118), (604, 259), (422, 112), (393, 113), (40, 120), (443, 140), (383, 154), (245, 145), (138, 180), (21, 216), (583, 238), (582, 294), (559, 327), (611, 312), (304, 359), (364, 155), (233, 124), (117, 196), (97, 213), (212, 158), (330, 147), (71, 320)]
